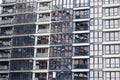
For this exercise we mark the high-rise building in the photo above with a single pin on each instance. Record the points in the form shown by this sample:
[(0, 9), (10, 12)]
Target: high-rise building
[(60, 40)]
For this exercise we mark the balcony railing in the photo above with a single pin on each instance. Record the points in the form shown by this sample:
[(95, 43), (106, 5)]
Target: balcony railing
[(9, 32), (6, 22), (81, 41), (8, 1), (10, 11), (4, 55), (42, 55), (38, 67), (44, 19), (80, 78), (4, 67), (81, 28), (83, 16), (81, 54), (5, 43), (3, 78), (43, 30), (44, 8)]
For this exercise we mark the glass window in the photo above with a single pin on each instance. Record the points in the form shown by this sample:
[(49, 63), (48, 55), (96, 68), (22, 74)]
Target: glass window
[(81, 14), (110, 24), (112, 63), (112, 49), (111, 36), (81, 38), (80, 64), (110, 1), (111, 12), (81, 3)]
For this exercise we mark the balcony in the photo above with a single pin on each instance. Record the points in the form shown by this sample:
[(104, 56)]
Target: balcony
[(43, 40), (41, 65), (3, 67), (9, 32), (40, 76), (6, 22), (4, 55), (43, 31), (42, 55), (44, 8), (10, 11), (80, 26), (3, 78), (8, 1), (80, 78), (81, 54), (81, 38), (44, 19), (5, 43)]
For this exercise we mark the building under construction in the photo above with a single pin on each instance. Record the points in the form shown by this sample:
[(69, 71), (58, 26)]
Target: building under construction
[(60, 40)]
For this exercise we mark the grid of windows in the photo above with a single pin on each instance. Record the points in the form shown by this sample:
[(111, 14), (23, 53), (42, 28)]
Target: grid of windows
[(20, 76), (61, 27), (21, 65), (81, 3), (41, 76), (61, 39), (61, 51), (29, 29), (112, 76), (112, 36), (81, 14), (112, 63), (111, 11), (80, 76), (112, 49), (22, 52), (81, 51), (111, 23), (81, 38), (80, 64), (60, 64), (110, 1), (23, 41), (96, 40), (81, 26)]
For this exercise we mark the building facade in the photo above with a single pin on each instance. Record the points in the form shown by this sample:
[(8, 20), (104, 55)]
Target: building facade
[(60, 40)]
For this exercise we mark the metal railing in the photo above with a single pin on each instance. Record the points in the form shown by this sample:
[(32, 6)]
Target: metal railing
[(4, 67), (8, 1), (5, 22), (9, 32), (10, 11), (81, 54), (4, 55), (3, 78), (44, 19), (44, 8), (43, 31), (42, 55)]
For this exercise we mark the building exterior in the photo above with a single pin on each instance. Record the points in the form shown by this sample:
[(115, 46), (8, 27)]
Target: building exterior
[(60, 40)]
